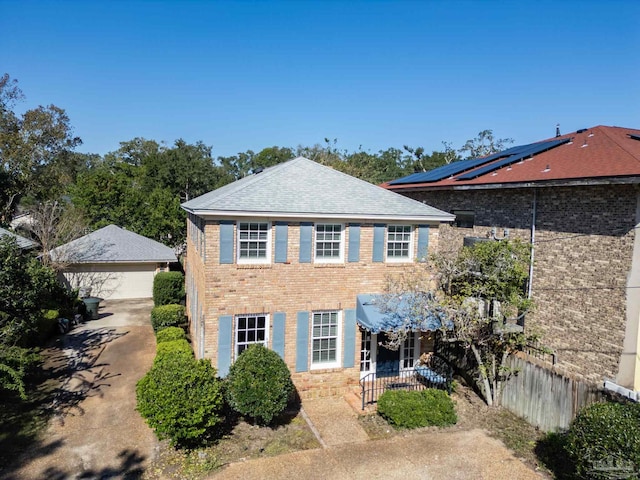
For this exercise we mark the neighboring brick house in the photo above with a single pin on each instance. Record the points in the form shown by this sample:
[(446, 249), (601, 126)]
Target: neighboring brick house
[(576, 197), (280, 257)]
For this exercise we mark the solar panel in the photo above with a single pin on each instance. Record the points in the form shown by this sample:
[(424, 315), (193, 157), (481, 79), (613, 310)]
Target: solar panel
[(456, 168), (635, 137), (533, 149)]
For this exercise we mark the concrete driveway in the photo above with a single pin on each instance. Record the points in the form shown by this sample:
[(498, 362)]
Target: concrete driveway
[(96, 431)]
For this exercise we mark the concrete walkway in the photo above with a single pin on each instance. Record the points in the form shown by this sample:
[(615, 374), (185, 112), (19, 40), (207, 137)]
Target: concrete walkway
[(96, 431), (334, 421)]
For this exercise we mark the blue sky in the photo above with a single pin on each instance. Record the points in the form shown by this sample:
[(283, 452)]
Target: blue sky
[(247, 75)]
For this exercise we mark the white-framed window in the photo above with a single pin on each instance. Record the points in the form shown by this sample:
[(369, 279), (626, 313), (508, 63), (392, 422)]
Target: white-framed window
[(329, 243), (251, 329), (399, 243), (325, 339), (254, 242)]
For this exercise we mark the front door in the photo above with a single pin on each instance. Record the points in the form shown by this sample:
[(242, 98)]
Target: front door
[(387, 361)]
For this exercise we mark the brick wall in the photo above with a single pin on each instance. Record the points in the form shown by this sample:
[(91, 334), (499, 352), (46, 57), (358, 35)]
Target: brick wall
[(232, 289), (584, 246)]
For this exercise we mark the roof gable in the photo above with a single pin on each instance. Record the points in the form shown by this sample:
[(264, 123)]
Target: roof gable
[(588, 154), (112, 244), (304, 188)]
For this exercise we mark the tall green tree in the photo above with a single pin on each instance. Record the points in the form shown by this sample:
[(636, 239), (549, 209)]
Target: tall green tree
[(34, 149)]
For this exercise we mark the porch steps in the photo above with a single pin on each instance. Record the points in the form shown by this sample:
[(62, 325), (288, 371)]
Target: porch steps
[(354, 399)]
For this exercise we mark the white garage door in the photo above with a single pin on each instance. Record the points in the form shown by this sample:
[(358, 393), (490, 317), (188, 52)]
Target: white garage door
[(114, 281)]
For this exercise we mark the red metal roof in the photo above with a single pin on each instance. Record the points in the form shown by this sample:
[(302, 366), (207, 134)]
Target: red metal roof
[(594, 153)]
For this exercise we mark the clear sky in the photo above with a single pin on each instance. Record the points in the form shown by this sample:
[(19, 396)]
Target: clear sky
[(247, 75)]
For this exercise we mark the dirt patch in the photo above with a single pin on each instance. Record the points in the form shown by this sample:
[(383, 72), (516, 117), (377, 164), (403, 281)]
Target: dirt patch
[(244, 442)]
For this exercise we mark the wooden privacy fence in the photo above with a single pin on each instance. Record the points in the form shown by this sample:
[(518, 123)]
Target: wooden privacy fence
[(544, 398)]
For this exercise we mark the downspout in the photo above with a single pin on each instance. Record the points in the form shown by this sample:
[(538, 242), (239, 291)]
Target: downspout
[(533, 241)]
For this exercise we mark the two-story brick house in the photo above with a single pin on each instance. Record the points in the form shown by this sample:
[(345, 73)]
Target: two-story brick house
[(280, 257), (576, 198)]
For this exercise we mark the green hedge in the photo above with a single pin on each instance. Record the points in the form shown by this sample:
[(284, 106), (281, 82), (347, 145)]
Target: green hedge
[(259, 384), (605, 439), (182, 400), (167, 316), (168, 288), (172, 348), (414, 409), (46, 326), (169, 334)]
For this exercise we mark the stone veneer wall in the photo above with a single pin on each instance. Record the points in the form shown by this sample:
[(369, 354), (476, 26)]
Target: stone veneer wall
[(584, 246), (233, 289)]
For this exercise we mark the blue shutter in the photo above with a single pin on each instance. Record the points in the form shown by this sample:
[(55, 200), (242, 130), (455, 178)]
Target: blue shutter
[(282, 234), (423, 243), (354, 242), (306, 232), (225, 332), (279, 322), (302, 342), (378, 243), (349, 338), (226, 242)]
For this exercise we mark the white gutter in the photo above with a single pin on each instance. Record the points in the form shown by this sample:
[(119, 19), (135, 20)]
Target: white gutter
[(319, 215)]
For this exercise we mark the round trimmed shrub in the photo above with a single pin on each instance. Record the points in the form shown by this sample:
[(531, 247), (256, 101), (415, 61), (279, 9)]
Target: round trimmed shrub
[(169, 334), (605, 437), (259, 384), (417, 408), (181, 399), (168, 288), (171, 349), (167, 316)]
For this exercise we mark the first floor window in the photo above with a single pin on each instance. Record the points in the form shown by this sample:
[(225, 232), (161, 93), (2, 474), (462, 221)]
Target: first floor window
[(253, 242), (464, 218), (250, 329), (324, 338), (399, 242)]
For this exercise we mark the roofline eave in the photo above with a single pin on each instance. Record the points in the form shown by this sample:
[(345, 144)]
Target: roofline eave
[(314, 215), (629, 180)]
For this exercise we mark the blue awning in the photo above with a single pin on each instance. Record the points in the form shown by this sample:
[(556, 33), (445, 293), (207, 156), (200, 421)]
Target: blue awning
[(369, 316)]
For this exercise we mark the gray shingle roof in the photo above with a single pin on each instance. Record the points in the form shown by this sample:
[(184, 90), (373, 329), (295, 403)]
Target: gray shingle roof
[(23, 242), (304, 188), (113, 244)]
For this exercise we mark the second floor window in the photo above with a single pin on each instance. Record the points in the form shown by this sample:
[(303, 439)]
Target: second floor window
[(399, 243), (329, 245), (253, 242)]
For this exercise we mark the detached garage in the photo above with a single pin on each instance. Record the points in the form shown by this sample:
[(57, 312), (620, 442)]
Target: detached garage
[(114, 262)]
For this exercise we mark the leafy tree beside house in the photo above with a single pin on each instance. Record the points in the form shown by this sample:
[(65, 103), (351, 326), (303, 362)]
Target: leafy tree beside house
[(477, 296)]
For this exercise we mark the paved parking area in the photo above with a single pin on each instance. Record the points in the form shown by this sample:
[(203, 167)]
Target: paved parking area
[(96, 431)]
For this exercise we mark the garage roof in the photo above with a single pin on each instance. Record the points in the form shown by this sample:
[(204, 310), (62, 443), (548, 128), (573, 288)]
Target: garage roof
[(113, 244), (22, 242)]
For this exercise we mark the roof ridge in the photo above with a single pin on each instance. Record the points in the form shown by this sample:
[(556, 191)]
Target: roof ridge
[(605, 131), (254, 177)]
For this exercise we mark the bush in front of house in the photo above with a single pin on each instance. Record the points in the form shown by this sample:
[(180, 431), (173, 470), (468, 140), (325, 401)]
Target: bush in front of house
[(417, 408), (605, 438), (259, 384), (182, 400), (172, 348), (167, 316), (168, 288), (169, 334)]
